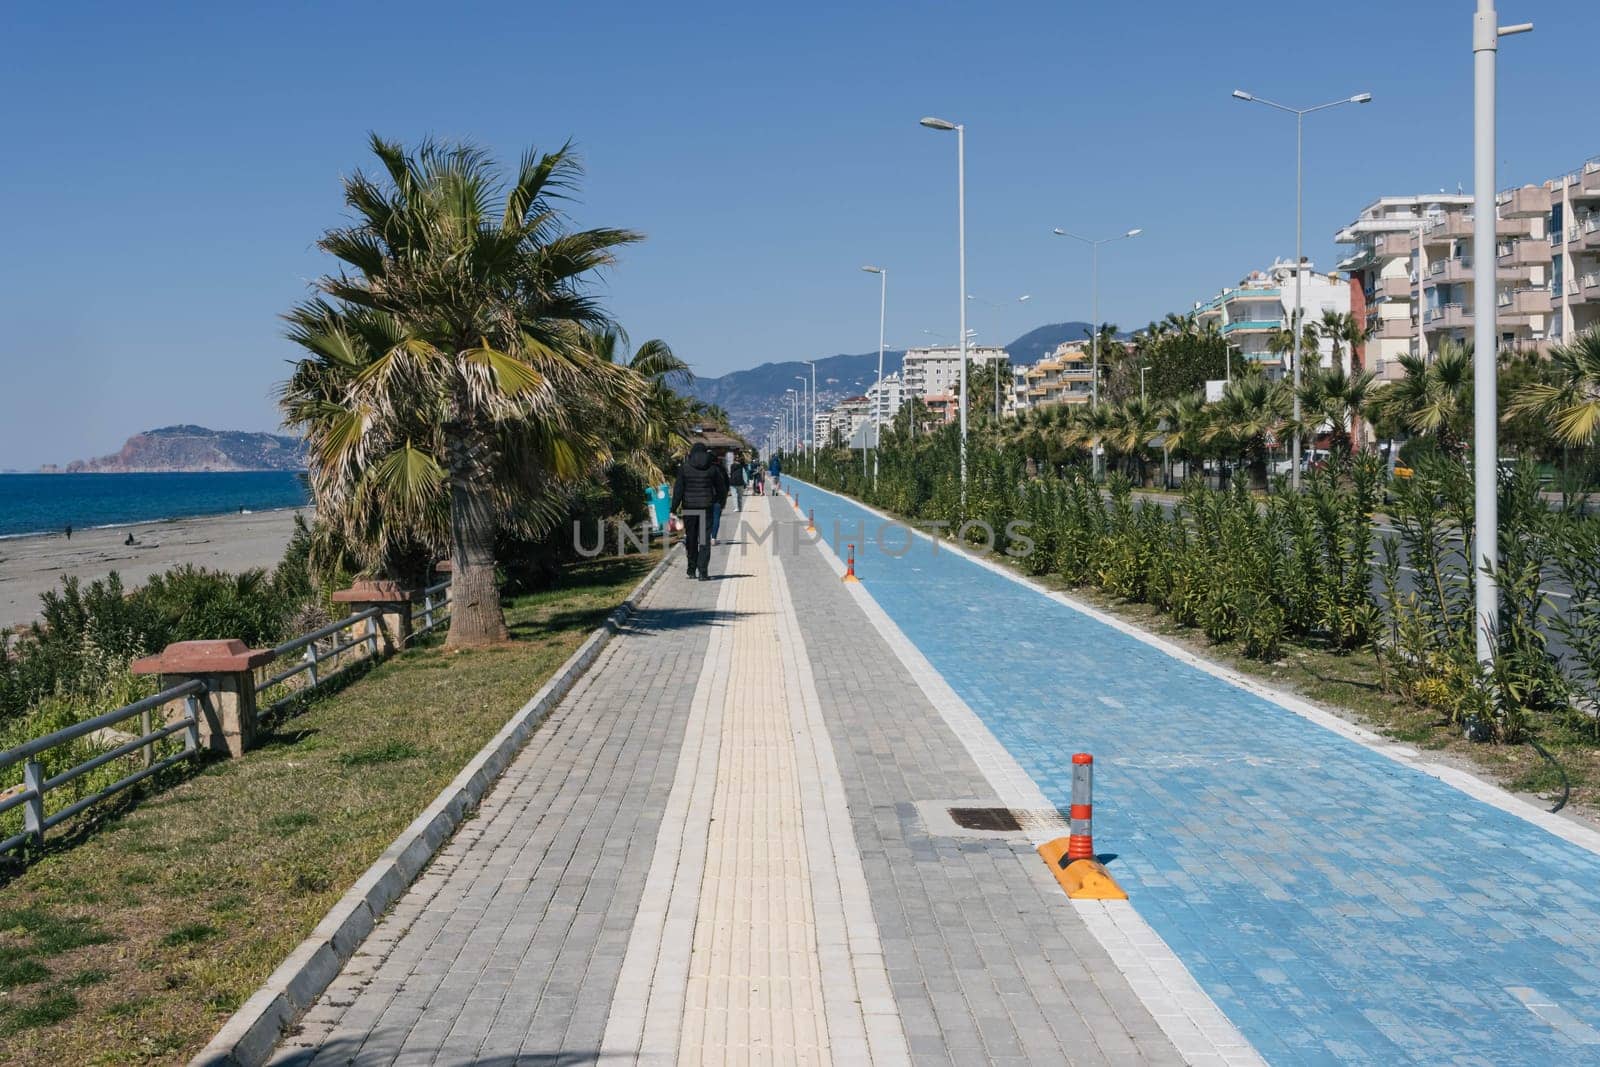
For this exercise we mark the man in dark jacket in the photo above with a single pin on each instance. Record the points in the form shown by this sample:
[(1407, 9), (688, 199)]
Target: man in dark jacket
[(737, 479), (775, 471), (701, 483)]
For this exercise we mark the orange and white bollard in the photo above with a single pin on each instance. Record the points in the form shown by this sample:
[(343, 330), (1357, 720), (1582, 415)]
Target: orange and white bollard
[(850, 566), (1071, 858), (1080, 838), (811, 521)]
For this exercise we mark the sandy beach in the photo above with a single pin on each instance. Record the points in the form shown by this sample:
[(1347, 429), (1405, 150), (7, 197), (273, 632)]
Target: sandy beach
[(31, 565)]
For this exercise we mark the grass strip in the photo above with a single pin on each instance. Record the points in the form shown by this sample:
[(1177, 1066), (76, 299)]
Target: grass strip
[(132, 941)]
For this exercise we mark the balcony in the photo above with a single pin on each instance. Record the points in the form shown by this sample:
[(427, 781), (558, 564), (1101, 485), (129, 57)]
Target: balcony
[(1528, 202), (1448, 317), (1392, 288), (1398, 329), (1251, 326), (1529, 301), (1455, 269), (1588, 232), (1457, 225), (1586, 290), (1589, 181), (1523, 253), (1392, 244)]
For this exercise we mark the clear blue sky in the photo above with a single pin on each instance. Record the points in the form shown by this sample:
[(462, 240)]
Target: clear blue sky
[(168, 167)]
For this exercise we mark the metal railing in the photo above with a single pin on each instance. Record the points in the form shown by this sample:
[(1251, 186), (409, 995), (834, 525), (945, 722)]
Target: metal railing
[(433, 610), (35, 786), (313, 653)]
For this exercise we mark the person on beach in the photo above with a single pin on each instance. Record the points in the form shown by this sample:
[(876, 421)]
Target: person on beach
[(775, 469), (69, 531), (701, 483)]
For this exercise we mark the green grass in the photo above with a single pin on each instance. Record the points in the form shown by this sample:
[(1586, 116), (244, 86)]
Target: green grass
[(133, 941)]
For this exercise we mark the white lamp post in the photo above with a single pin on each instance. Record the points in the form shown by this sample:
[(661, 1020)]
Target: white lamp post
[(1299, 114), (1023, 299), (809, 435), (877, 404), (812, 364), (961, 298), (1094, 329), (1486, 34), (1142, 369)]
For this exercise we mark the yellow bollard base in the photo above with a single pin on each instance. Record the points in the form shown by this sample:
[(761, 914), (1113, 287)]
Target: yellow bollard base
[(1082, 879), (851, 578)]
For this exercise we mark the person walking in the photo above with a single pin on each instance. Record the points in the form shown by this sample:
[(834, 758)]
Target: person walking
[(738, 478), (775, 469), (701, 483), (726, 464)]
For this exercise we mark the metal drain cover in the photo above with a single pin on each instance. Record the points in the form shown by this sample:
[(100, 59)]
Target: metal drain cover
[(999, 819)]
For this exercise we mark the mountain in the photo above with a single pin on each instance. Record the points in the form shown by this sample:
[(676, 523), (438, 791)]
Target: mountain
[(195, 448), (753, 398)]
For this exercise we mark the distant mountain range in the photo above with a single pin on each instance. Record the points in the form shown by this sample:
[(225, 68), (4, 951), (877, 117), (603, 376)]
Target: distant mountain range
[(195, 448), (753, 398)]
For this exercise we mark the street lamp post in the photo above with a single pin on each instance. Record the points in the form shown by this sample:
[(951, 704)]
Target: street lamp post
[(1299, 256), (1023, 299), (1486, 34), (877, 405), (810, 434), (1142, 369), (812, 364), (961, 300), (1094, 328)]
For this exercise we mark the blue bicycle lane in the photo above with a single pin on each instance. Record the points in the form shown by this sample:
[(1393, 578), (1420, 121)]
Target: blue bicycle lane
[(1338, 906)]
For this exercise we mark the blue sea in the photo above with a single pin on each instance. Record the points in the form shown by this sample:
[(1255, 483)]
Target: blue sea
[(47, 503)]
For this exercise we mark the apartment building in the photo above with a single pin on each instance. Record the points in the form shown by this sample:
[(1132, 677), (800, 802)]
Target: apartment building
[(930, 371), (885, 398), (1251, 313), (1415, 254), (840, 424), (1065, 376), (1573, 232), (1389, 271)]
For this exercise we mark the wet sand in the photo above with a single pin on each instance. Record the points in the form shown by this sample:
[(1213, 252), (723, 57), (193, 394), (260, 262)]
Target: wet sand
[(31, 565)]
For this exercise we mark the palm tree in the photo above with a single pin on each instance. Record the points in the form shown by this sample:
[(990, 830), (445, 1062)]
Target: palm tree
[(1433, 399), (1133, 424), (476, 393), (1331, 396), (1185, 419), (1252, 412), (645, 445), (1570, 405)]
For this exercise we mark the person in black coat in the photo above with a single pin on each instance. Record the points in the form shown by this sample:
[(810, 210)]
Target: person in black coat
[(701, 484)]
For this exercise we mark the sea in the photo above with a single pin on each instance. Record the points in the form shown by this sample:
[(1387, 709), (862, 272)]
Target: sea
[(48, 503)]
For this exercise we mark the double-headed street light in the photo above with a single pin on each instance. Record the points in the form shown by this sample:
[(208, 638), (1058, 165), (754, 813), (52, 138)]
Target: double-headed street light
[(877, 405), (961, 295), (1094, 329), (1299, 114), (808, 436), (814, 442)]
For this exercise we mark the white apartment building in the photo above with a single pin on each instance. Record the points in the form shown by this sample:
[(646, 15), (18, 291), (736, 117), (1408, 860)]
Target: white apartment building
[(1250, 313), (1390, 271), (937, 370), (885, 398)]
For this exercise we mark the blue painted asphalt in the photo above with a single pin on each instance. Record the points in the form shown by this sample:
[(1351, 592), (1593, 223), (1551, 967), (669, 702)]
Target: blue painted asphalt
[(1339, 907)]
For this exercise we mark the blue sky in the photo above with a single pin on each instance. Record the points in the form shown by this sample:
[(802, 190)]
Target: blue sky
[(168, 167)]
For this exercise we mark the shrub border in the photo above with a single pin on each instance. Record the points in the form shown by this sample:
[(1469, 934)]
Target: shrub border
[(1571, 828), (251, 1034)]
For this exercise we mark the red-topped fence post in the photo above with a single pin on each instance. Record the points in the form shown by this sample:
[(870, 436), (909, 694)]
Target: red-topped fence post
[(227, 669)]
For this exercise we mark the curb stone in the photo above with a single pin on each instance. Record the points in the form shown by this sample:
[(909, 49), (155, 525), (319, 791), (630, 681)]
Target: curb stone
[(251, 1034)]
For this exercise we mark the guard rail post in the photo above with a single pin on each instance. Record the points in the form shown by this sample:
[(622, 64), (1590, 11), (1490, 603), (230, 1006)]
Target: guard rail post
[(227, 723), (392, 600)]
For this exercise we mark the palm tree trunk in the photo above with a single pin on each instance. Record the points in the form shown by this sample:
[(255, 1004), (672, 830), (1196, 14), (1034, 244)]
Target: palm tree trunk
[(476, 618)]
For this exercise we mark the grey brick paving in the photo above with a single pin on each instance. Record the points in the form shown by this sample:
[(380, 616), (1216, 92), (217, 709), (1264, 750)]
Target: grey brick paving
[(507, 948), (988, 961)]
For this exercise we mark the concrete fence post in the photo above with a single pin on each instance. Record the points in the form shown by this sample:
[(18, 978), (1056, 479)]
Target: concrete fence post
[(390, 598), (227, 711)]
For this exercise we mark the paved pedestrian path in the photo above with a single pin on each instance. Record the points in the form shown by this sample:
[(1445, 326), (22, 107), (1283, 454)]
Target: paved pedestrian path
[(1338, 905), (730, 843)]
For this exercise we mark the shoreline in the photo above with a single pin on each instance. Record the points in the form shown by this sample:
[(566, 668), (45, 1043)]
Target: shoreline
[(199, 516), (135, 523), (31, 564)]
